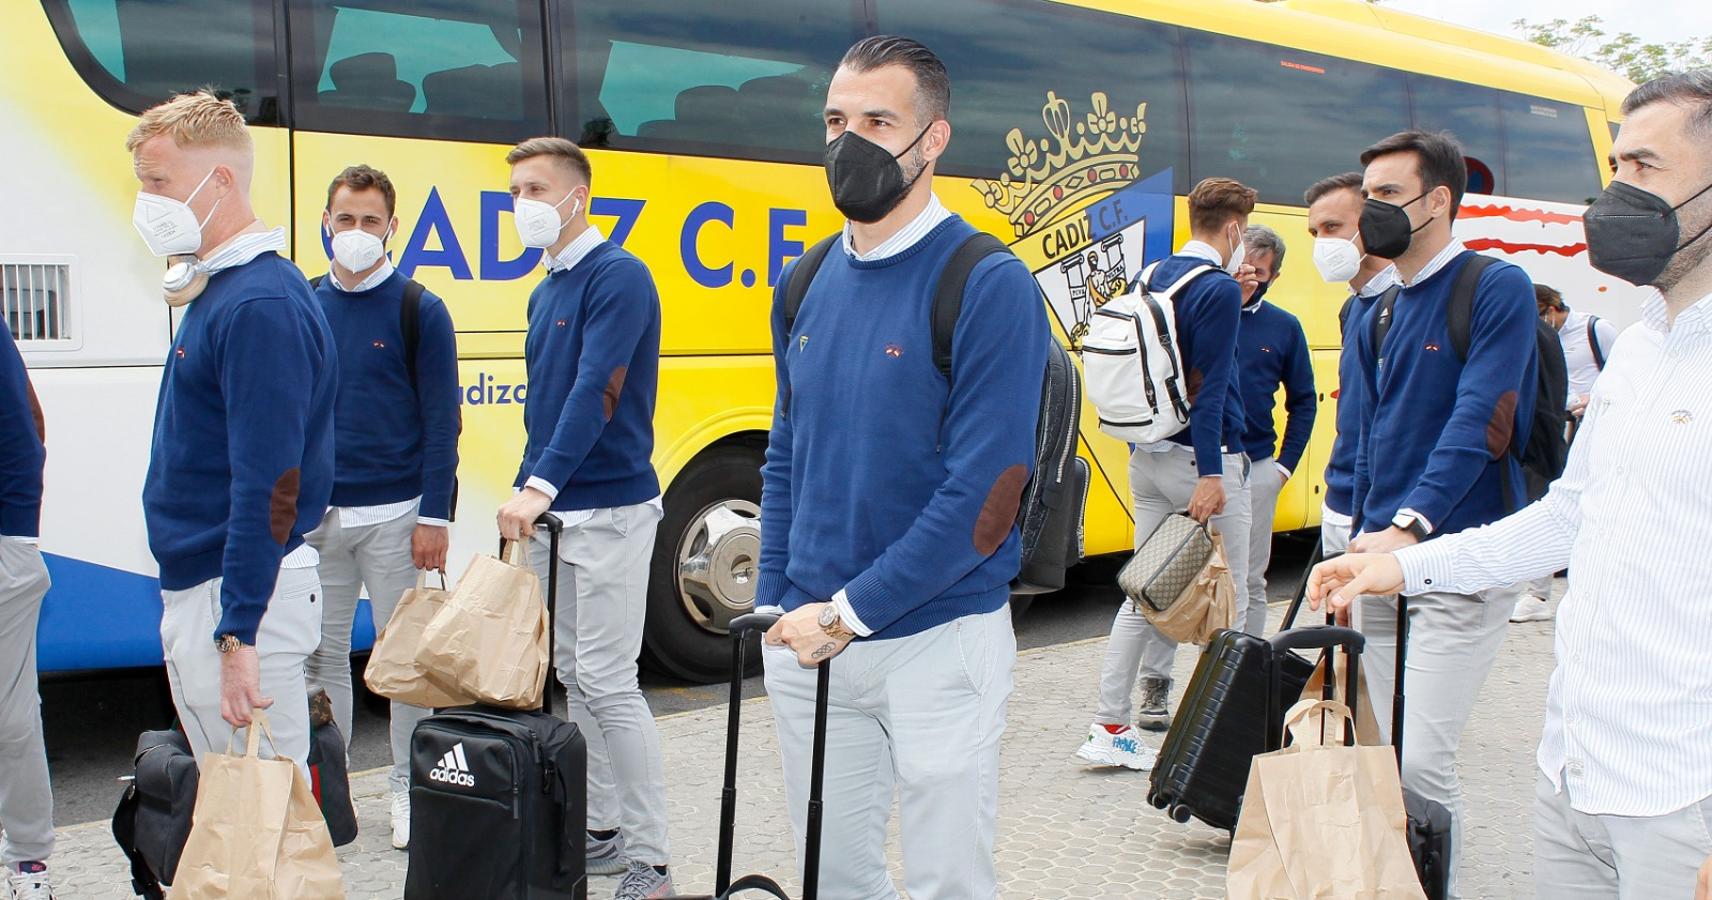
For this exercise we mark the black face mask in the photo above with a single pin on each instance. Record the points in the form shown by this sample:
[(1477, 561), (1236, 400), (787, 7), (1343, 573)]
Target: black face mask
[(1385, 230), (1259, 292), (1632, 234), (866, 180)]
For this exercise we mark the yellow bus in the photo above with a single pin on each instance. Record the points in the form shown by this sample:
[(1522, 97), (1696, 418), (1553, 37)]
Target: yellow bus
[(1077, 128)]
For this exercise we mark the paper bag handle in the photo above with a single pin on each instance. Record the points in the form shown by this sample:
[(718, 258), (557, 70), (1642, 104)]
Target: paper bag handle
[(509, 549), (1295, 722), (253, 734), (422, 578)]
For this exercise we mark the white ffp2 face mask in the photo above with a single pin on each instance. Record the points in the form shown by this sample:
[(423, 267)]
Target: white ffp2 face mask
[(357, 250), (1336, 259), (1237, 255), (538, 222), (169, 227)]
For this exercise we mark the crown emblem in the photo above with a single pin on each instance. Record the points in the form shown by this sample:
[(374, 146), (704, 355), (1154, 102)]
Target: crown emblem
[(1078, 159)]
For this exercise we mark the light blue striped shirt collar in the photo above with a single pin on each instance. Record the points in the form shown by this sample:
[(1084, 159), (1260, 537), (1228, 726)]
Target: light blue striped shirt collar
[(367, 284), (1438, 262), (242, 248), (1379, 283), (575, 251), (907, 236)]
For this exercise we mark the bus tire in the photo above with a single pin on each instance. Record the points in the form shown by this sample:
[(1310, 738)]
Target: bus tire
[(707, 556)]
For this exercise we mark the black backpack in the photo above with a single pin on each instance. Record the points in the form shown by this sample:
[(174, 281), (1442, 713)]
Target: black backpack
[(153, 818), (1050, 514), (1548, 447)]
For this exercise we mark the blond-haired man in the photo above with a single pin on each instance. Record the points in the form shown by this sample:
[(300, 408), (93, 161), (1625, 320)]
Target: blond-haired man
[(593, 355), (242, 460)]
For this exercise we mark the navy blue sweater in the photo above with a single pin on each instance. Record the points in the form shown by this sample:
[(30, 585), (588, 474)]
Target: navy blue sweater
[(1340, 467), (1208, 317), (21, 453), (882, 479), (1272, 349), (242, 462), (1437, 430), (593, 355), (394, 441)]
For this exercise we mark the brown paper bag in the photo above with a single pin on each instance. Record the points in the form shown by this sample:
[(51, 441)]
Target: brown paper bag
[(1321, 820), (1366, 726), (1206, 606), (393, 671), (489, 639), (256, 833)]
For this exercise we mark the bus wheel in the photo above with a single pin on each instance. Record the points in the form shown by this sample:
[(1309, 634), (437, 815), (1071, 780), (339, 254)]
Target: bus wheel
[(707, 558)]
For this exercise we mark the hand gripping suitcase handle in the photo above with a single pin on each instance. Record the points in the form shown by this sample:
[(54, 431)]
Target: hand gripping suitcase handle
[(740, 629)]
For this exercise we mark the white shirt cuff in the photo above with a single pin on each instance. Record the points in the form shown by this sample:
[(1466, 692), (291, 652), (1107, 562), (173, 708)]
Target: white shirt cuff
[(1283, 470), (771, 609), (542, 485), (1427, 567), (853, 622), (437, 523)]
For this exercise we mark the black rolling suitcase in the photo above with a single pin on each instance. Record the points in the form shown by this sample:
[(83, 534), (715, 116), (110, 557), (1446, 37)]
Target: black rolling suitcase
[(724, 888), (498, 798), (1429, 823), (1223, 721)]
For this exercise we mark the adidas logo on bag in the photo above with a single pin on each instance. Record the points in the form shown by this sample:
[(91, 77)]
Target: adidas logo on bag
[(453, 769)]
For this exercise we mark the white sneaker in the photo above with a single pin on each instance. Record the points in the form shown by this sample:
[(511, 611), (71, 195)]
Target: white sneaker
[(1121, 748), (28, 885), (1531, 609), (400, 820)]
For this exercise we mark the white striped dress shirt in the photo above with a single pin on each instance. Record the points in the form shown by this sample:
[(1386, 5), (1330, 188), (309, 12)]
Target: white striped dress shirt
[(907, 236), (1629, 706)]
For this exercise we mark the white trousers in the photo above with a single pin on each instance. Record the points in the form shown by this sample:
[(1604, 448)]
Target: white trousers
[(1453, 641), (377, 557), (597, 635), (1161, 484), (289, 632), (919, 717), (1265, 481), (26, 796), (1578, 856)]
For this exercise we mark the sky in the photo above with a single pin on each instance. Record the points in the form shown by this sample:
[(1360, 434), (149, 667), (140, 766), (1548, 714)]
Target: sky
[(1653, 20)]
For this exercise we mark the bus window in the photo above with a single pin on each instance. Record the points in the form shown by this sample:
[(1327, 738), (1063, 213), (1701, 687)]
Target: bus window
[(1548, 150), (1006, 58), (1278, 119), (136, 53), (449, 69), (730, 79), (1470, 114)]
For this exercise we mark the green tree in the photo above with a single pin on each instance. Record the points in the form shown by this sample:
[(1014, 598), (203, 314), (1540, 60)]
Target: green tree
[(1622, 52)]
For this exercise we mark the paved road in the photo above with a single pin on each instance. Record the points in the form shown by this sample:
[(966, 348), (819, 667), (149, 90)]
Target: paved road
[(92, 722)]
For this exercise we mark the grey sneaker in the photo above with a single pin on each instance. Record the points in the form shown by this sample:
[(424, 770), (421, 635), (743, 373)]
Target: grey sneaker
[(605, 857), (644, 882), (1155, 692)]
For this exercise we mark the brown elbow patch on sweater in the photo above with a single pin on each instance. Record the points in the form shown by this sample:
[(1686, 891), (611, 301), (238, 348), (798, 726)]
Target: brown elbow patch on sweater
[(1192, 384), (36, 412), (614, 385), (282, 505), (999, 512), (1501, 427)]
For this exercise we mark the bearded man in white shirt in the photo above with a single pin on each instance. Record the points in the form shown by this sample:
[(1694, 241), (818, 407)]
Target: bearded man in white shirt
[(1624, 791)]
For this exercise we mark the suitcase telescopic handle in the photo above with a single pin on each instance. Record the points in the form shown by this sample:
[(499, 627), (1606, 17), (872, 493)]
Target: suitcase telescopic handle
[(742, 625), (1319, 637)]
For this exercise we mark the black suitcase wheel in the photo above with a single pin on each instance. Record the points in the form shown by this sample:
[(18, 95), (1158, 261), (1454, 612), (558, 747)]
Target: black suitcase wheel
[(1159, 801), (1181, 813)]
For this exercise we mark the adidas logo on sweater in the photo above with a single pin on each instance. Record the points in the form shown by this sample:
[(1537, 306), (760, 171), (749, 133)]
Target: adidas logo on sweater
[(453, 768)]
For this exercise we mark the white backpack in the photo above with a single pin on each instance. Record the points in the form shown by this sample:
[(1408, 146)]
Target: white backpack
[(1130, 361)]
